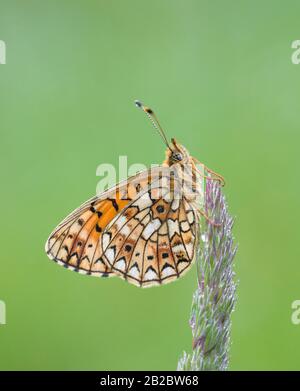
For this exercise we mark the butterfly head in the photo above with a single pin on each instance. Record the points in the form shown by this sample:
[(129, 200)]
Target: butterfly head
[(176, 153)]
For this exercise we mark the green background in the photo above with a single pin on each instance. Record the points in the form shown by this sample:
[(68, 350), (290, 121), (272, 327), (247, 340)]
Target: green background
[(220, 76)]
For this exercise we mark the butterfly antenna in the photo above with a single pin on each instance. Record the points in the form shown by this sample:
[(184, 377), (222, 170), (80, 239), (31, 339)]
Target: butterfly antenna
[(150, 114)]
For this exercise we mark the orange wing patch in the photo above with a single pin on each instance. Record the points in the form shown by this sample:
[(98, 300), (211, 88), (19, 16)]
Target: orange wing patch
[(76, 242)]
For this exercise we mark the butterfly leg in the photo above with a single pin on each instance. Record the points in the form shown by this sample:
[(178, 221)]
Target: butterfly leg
[(215, 177), (213, 223)]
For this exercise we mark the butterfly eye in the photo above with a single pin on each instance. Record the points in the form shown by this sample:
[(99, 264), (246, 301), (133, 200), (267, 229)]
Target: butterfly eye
[(177, 156)]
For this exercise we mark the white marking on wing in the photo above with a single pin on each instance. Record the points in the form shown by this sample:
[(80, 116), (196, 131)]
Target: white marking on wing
[(121, 221), (110, 254), (105, 240), (143, 202), (134, 272), (150, 228), (175, 204), (150, 275), (184, 225), (189, 248), (168, 271), (120, 264), (139, 216), (173, 227), (190, 216), (125, 230)]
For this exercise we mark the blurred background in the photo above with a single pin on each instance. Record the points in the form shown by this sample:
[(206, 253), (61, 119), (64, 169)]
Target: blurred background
[(220, 77)]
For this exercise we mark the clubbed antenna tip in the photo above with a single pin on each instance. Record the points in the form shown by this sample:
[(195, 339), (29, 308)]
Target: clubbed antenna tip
[(150, 114), (138, 104)]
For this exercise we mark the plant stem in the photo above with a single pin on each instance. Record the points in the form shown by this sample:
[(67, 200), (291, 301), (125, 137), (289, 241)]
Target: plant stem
[(215, 296)]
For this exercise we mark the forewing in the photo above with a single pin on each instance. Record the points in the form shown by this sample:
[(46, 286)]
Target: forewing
[(75, 243)]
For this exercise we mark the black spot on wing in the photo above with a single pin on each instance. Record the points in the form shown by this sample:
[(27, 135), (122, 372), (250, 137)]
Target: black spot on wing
[(115, 205)]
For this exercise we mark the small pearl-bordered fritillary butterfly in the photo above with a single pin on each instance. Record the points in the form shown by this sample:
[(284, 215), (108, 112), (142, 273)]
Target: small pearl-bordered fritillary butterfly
[(144, 229)]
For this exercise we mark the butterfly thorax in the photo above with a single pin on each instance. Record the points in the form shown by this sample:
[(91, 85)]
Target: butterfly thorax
[(188, 183)]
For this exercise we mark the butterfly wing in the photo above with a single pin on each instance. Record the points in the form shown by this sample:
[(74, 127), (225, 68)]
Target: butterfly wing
[(152, 241), (75, 243)]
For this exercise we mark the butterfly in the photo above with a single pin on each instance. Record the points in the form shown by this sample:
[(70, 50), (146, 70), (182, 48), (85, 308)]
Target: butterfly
[(144, 229)]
